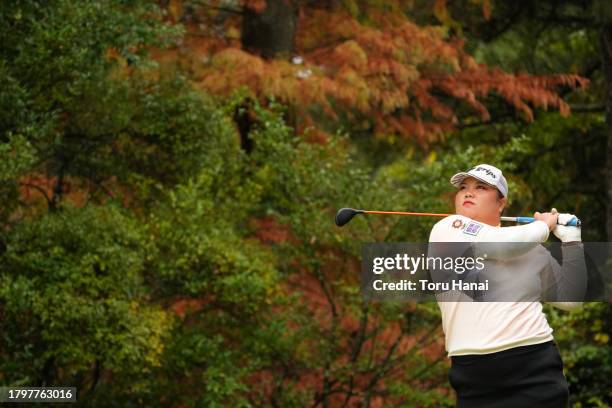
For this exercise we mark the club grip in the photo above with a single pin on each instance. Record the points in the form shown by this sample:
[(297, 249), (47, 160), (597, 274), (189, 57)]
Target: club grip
[(574, 222)]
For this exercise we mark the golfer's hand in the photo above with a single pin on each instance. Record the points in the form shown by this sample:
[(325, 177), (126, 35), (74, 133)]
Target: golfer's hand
[(566, 233), (549, 218)]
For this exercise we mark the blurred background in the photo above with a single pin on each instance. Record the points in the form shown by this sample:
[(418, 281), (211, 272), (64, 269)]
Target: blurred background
[(170, 170)]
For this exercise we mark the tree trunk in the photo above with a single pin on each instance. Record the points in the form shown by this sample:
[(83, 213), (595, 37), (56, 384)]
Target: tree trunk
[(271, 32), (606, 54)]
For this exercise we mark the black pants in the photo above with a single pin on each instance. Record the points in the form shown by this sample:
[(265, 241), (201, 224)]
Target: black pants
[(528, 376)]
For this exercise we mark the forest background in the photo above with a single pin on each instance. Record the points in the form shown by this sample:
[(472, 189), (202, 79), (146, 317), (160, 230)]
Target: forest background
[(169, 173)]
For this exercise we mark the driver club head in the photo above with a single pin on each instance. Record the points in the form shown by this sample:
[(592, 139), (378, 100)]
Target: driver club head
[(344, 215)]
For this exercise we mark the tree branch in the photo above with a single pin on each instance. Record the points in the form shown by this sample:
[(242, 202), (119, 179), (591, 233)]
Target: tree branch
[(363, 324), (39, 189), (220, 8), (583, 108)]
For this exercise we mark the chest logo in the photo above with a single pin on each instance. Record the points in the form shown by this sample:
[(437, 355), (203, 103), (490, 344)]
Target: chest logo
[(457, 224), (473, 228)]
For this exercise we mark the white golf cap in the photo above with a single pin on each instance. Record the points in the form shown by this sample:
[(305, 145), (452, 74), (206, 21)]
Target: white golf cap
[(485, 173)]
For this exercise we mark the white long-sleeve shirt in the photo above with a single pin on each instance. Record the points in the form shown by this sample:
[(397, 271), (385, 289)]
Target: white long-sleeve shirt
[(488, 327)]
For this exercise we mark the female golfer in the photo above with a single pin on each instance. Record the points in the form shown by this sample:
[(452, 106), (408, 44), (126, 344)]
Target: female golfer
[(503, 353)]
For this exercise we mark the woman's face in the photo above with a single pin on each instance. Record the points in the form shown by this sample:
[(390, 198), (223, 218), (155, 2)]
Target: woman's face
[(479, 201)]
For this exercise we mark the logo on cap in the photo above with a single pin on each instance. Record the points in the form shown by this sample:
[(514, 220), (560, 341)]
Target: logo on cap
[(489, 172)]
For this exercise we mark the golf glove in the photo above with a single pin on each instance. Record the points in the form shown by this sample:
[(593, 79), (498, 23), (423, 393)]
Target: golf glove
[(566, 233)]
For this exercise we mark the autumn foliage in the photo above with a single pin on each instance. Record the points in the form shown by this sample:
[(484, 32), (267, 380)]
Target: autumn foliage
[(373, 68)]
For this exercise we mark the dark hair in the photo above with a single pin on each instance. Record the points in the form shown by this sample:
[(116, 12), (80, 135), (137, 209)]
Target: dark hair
[(499, 197)]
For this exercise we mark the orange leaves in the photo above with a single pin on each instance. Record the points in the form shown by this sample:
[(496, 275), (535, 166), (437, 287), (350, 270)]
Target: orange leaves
[(37, 190), (398, 76), (524, 92), (268, 230), (256, 5), (352, 54), (182, 307), (486, 9), (175, 9), (440, 10), (236, 67)]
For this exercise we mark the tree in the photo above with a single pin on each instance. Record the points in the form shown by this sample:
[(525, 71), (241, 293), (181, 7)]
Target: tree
[(367, 66)]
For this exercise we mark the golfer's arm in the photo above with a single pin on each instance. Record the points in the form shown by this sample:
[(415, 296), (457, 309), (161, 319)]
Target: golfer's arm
[(510, 242), (570, 279)]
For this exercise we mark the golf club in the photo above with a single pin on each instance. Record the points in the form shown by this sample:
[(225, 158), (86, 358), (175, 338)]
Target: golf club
[(345, 215)]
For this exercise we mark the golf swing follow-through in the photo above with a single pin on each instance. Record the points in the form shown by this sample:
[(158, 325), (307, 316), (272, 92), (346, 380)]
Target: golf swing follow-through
[(503, 353)]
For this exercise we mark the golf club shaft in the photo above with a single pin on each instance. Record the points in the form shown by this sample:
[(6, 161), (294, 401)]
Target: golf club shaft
[(406, 213), (524, 220)]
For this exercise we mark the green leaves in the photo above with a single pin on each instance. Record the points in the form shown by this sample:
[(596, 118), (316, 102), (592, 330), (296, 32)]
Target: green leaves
[(583, 338), (78, 271)]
